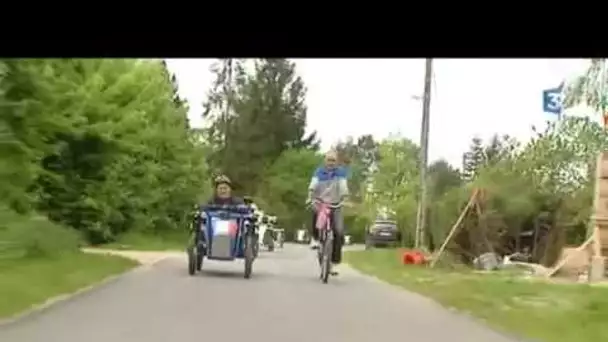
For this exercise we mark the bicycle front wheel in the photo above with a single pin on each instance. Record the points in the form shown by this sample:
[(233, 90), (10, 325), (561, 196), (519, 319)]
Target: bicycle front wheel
[(327, 250)]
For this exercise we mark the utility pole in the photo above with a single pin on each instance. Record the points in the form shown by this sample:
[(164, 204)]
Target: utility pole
[(424, 144)]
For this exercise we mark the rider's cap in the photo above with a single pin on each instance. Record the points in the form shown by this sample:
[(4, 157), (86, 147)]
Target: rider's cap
[(222, 179)]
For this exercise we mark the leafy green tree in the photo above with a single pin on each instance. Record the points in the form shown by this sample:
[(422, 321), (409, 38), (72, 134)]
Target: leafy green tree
[(104, 145), (17, 158), (587, 88), (230, 80), (473, 159), (284, 187), (177, 99), (360, 158), (269, 117), (481, 155), (442, 178), (395, 183)]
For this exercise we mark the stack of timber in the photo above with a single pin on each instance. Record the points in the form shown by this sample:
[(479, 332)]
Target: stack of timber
[(600, 208)]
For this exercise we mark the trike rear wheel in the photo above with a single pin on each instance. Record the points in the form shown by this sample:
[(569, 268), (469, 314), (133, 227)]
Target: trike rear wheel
[(249, 256)]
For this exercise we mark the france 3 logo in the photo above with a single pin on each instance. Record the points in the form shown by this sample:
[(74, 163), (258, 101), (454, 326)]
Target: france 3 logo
[(552, 100)]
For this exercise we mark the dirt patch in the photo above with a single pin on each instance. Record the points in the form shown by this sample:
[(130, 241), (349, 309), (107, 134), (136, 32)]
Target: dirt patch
[(144, 258)]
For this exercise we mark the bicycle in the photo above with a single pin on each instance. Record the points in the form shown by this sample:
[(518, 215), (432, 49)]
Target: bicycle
[(326, 236)]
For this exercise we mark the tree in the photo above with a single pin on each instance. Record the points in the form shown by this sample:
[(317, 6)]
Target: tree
[(230, 80), (269, 117), (473, 159), (104, 145), (587, 88), (360, 158), (284, 187), (481, 154), (177, 99), (395, 183), (442, 178)]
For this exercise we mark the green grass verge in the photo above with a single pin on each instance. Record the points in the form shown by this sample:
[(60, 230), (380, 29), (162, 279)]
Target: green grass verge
[(27, 282), (533, 309), (150, 242)]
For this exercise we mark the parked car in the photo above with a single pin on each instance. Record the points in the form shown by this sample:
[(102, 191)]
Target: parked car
[(382, 233)]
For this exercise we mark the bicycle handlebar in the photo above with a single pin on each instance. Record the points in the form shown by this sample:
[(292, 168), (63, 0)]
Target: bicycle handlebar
[(332, 206), (233, 208)]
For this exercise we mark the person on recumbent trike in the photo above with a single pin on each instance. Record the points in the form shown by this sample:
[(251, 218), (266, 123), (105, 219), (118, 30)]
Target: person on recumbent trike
[(329, 184), (222, 195)]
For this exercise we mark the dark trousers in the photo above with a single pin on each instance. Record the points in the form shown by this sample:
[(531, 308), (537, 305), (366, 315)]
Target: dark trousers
[(338, 234)]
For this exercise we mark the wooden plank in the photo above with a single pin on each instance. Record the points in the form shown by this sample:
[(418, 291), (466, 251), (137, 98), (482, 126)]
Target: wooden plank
[(454, 228), (599, 204)]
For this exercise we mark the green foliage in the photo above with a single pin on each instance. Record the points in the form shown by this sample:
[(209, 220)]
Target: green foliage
[(590, 87), (549, 177), (284, 187), (255, 117), (360, 157), (103, 146), (395, 183), (33, 236), (99, 145), (257, 135)]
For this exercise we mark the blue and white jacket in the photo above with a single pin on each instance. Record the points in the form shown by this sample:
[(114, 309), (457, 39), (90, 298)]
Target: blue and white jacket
[(330, 185)]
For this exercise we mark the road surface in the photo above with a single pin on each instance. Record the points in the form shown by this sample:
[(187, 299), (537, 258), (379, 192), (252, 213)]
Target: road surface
[(283, 301)]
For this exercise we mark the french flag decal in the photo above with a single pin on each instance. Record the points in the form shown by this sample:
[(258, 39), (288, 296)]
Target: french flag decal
[(232, 228), (226, 227)]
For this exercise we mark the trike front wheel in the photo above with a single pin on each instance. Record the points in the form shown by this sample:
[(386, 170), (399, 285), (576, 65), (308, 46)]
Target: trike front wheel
[(191, 261), (199, 259)]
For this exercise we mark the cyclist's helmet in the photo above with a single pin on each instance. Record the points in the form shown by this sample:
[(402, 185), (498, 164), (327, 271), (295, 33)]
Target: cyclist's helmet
[(222, 179)]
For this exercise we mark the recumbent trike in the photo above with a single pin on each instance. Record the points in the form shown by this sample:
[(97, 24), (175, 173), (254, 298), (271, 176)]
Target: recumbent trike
[(223, 232)]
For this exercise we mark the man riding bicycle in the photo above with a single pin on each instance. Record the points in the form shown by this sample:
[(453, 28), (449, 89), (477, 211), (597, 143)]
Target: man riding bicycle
[(329, 184)]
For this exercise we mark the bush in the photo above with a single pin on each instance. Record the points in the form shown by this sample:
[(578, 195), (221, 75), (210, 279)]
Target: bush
[(31, 236)]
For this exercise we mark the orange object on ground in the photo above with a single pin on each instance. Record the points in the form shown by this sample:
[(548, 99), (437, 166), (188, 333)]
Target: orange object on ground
[(413, 258)]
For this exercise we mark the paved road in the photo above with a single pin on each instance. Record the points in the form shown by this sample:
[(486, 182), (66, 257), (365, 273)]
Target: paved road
[(283, 301)]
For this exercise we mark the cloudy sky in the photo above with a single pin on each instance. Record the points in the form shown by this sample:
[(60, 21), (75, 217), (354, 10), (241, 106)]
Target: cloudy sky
[(361, 96)]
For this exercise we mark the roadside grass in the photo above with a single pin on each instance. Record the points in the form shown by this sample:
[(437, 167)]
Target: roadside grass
[(26, 282), (138, 241), (533, 309)]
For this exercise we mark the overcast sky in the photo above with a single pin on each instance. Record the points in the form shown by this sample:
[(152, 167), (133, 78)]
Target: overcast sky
[(374, 96)]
